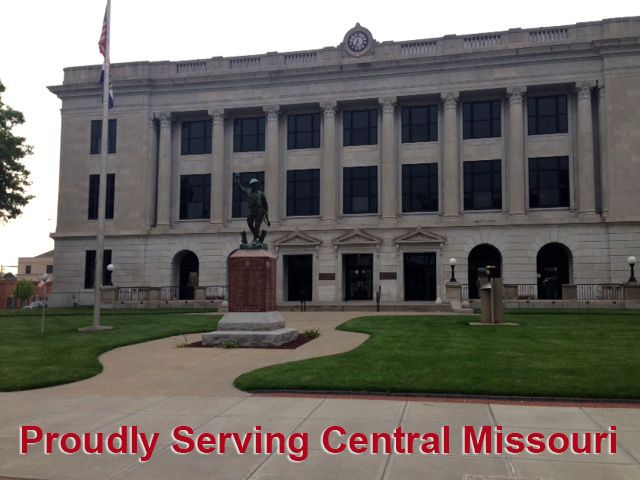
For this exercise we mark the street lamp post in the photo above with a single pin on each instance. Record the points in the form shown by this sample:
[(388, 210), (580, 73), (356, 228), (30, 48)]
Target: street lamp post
[(110, 268), (45, 279), (452, 263), (632, 263)]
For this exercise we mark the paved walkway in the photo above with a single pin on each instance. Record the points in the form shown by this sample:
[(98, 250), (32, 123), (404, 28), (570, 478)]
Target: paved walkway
[(158, 386)]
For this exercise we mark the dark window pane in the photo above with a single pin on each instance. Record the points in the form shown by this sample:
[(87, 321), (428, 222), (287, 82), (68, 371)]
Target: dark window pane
[(360, 190), (303, 192), (360, 127), (111, 195), (196, 137), (547, 115), (248, 134), (482, 185), (96, 136), (481, 119), (94, 192), (548, 182), (195, 196), (90, 268), (419, 124), (239, 204), (420, 187)]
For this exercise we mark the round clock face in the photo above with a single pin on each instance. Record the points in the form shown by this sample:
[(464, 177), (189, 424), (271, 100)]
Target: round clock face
[(358, 41)]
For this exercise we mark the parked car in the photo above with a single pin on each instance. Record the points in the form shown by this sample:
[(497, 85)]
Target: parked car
[(36, 304)]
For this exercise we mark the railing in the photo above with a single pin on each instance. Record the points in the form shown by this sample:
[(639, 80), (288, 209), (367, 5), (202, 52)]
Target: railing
[(527, 291), (298, 58), (169, 293), (464, 292), (418, 48), (216, 292), (244, 62), (191, 67), (134, 294), (549, 35), (600, 291), (482, 41)]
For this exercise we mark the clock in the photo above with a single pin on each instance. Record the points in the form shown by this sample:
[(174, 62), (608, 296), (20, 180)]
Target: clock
[(358, 41)]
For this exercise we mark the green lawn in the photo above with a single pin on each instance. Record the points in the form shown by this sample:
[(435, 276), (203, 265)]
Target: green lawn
[(63, 355), (587, 355)]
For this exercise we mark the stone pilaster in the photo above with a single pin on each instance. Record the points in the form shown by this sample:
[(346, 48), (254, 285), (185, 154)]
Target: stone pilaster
[(329, 181), (516, 161), (586, 176), (218, 167), (389, 176), (604, 164), (451, 157), (272, 171), (164, 170)]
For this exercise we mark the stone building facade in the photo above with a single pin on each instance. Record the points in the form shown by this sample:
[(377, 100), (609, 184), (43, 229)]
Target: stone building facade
[(380, 162)]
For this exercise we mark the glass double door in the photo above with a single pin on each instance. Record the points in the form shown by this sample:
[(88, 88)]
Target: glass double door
[(358, 276), (299, 271), (420, 278)]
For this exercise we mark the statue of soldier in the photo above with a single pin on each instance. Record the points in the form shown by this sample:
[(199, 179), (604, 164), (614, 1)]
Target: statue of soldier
[(258, 209)]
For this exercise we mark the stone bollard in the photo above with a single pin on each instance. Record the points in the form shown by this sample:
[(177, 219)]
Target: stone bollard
[(569, 292)]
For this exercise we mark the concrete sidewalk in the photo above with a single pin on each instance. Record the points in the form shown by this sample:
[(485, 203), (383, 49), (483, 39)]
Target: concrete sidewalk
[(158, 386)]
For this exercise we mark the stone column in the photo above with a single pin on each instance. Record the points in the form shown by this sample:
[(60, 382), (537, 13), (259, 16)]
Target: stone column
[(586, 176), (164, 170), (217, 167), (451, 157), (329, 184), (388, 174), (516, 168), (272, 170)]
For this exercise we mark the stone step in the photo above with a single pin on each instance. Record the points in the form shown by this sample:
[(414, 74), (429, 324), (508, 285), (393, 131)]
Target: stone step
[(250, 338)]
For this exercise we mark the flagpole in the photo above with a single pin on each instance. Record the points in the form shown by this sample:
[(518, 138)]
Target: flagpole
[(102, 191)]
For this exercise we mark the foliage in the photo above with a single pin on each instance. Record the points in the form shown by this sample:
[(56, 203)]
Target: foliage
[(14, 177), (65, 355), (24, 290), (312, 333), (582, 355), (229, 344)]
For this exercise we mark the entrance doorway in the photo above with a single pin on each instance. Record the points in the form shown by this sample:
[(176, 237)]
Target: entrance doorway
[(299, 274), (358, 276), (553, 267), (188, 268), (419, 276), (480, 257)]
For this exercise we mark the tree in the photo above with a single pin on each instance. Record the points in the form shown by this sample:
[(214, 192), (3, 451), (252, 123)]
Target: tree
[(14, 177), (24, 291)]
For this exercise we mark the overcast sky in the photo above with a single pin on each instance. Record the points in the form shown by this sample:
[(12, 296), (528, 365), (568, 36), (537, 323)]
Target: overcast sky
[(39, 38)]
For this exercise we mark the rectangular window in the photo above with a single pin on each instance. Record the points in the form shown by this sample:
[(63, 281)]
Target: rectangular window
[(420, 124), (481, 119), (360, 190), (196, 137), (90, 268), (27, 269), (239, 204), (420, 187), (303, 131), (360, 127), (49, 268), (195, 196), (547, 115), (96, 136), (94, 192), (303, 192), (549, 182), (248, 134), (482, 185)]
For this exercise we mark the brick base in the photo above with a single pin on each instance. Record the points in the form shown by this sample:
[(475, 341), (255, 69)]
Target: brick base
[(252, 281)]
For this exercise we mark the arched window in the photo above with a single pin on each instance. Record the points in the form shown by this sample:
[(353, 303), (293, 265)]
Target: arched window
[(480, 257), (554, 270), (186, 268)]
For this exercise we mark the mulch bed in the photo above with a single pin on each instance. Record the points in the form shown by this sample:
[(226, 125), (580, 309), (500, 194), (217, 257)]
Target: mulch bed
[(301, 340)]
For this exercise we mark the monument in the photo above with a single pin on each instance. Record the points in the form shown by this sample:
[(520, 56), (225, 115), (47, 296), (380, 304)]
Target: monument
[(252, 320)]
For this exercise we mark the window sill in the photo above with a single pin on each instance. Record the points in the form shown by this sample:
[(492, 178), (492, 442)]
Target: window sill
[(187, 220), (420, 144), (425, 212), (303, 150), (302, 217), (549, 209), (483, 211), (347, 215), (369, 146), (552, 135), (483, 140)]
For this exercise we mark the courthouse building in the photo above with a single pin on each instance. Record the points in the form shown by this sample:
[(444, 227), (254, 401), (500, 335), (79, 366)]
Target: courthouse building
[(380, 160)]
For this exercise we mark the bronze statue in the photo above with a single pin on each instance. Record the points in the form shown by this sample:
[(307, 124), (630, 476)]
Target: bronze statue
[(258, 210)]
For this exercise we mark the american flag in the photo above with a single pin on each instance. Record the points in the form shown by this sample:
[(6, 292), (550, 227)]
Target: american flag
[(102, 43), (102, 46)]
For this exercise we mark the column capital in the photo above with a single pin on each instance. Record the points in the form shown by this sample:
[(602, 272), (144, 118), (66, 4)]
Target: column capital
[(164, 118), (450, 99), (388, 104), (329, 108), (272, 111), (516, 94), (583, 89), (218, 115)]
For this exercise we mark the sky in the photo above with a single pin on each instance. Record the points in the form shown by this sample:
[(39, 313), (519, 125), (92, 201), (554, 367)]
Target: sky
[(39, 38)]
